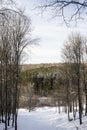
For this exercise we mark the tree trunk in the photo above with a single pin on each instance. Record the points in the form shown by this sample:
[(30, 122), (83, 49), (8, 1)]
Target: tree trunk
[(79, 99), (6, 94)]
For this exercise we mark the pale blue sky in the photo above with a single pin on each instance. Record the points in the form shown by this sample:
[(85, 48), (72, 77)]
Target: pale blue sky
[(52, 33)]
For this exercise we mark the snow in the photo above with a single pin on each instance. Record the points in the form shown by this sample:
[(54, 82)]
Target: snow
[(46, 118)]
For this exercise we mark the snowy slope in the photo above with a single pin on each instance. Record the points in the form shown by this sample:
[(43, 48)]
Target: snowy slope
[(46, 119)]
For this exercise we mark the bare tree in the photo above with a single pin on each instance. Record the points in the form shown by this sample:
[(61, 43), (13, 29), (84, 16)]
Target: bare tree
[(74, 55), (84, 72), (15, 35)]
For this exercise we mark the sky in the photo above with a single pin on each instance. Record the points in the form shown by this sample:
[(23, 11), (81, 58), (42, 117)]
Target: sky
[(52, 33)]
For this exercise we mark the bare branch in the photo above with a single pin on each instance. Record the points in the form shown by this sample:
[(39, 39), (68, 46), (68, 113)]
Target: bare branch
[(74, 8)]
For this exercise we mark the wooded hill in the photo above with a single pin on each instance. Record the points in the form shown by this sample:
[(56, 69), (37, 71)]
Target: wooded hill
[(49, 80), (38, 77), (34, 66)]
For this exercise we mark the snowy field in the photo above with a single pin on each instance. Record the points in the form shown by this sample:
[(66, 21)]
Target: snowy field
[(46, 118)]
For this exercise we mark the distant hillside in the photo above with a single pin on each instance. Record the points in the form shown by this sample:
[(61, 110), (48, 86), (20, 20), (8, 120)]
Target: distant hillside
[(32, 66)]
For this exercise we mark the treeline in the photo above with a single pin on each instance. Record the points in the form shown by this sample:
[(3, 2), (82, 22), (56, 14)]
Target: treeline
[(40, 78)]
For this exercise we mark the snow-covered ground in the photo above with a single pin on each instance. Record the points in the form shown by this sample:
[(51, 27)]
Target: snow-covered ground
[(46, 118)]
